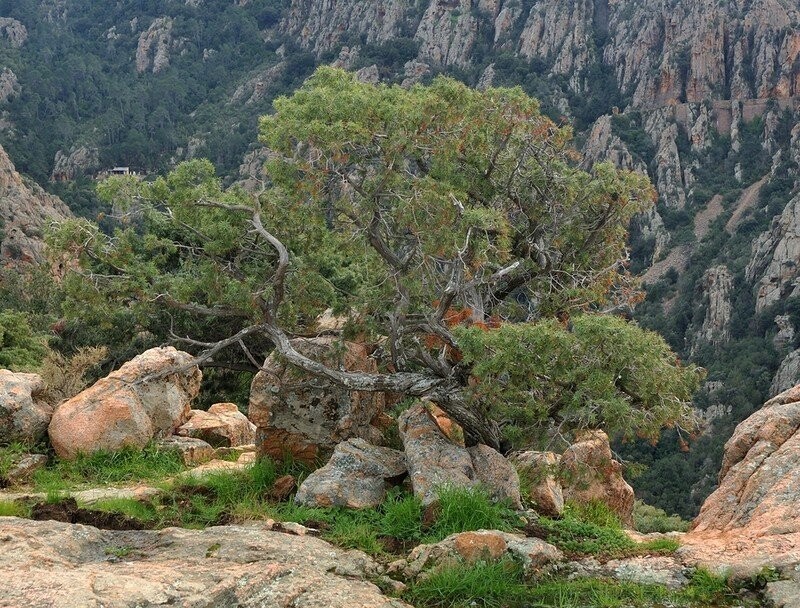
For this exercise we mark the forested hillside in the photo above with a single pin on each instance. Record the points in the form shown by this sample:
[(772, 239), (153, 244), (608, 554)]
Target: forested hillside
[(701, 96)]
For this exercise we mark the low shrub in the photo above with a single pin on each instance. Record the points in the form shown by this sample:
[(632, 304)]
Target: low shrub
[(647, 519)]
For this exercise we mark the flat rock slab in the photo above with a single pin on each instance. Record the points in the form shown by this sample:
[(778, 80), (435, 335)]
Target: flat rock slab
[(45, 564), (90, 496)]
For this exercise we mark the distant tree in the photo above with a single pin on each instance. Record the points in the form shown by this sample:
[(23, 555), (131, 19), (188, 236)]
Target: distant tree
[(453, 222)]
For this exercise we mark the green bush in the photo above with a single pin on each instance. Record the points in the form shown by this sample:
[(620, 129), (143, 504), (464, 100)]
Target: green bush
[(20, 348)]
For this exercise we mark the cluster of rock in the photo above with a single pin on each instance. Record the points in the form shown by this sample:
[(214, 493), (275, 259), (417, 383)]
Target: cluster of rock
[(148, 398)]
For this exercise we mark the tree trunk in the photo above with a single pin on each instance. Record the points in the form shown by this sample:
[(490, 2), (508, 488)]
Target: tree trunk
[(446, 393)]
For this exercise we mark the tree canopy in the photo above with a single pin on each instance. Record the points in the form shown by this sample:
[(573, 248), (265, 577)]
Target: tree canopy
[(454, 222)]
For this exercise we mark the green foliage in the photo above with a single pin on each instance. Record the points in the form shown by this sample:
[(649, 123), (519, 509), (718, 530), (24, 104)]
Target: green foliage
[(575, 535), (462, 509), (21, 349), (485, 584), (647, 518), (598, 372), (102, 467)]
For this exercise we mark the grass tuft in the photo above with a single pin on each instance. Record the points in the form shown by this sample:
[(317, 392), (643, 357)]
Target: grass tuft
[(14, 509), (484, 584), (464, 509)]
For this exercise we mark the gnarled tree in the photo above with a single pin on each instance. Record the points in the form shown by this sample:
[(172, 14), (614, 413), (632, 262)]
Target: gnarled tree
[(454, 222)]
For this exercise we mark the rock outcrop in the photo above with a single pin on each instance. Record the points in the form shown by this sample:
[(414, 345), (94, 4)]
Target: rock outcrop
[(588, 472), (223, 425), (25, 211), (154, 47), (9, 85), (788, 373), (49, 563), (13, 31), (434, 461), (775, 265), (543, 490), (148, 397), (717, 285), (75, 163), (357, 476), (306, 417), (751, 519), (24, 414)]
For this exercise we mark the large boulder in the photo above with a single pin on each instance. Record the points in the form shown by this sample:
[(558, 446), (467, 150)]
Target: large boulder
[(435, 461), (24, 415), (304, 416), (48, 563), (751, 519), (357, 476), (147, 397), (589, 473), (223, 425), (542, 489)]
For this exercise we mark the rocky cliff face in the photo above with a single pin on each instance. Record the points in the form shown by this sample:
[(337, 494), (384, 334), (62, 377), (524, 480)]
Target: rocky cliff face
[(661, 52), (25, 212), (775, 265)]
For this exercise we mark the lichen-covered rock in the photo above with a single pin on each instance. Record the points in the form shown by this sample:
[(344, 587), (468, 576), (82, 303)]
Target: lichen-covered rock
[(192, 451), (147, 397), (542, 488), (751, 519), (435, 461), (25, 467), (223, 425), (47, 563), (357, 476), (24, 415), (647, 570), (489, 545), (588, 473), (306, 417)]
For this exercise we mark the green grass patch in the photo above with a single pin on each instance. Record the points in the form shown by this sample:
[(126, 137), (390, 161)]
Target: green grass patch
[(148, 464), (142, 511), (463, 509), (402, 517), (598, 593), (484, 584), (662, 546), (502, 584), (14, 508)]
